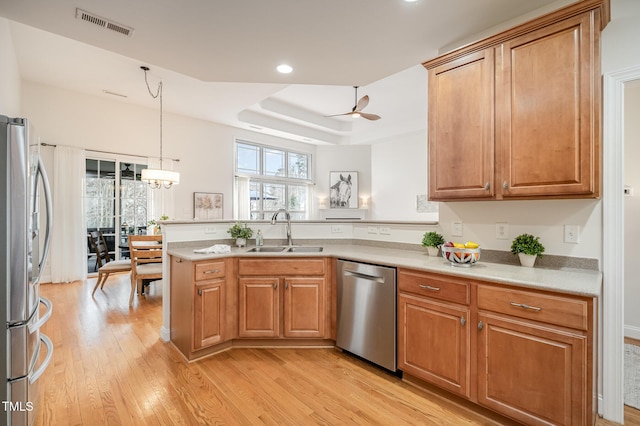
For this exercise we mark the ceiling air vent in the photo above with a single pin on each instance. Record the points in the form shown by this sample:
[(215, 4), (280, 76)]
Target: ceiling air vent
[(102, 22)]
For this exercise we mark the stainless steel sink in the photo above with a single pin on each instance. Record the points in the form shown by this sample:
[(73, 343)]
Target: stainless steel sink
[(303, 249), (264, 249)]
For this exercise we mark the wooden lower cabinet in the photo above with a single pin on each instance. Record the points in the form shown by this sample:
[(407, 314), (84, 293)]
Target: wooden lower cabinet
[(304, 307), (536, 355), (199, 299), (531, 372), (423, 322), (523, 353), (259, 308), (285, 305), (209, 313)]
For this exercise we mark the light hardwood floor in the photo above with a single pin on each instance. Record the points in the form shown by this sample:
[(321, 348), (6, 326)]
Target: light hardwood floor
[(110, 367)]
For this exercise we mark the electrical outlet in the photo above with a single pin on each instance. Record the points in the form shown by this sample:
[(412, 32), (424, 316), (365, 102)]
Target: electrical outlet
[(456, 229), (336, 229), (502, 231), (572, 234), (385, 230), (372, 230), (210, 230)]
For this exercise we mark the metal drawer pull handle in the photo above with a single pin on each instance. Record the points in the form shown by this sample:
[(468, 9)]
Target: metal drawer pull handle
[(214, 271), (524, 306), (487, 186), (199, 292), (480, 325), (275, 286), (428, 287), (463, 321)]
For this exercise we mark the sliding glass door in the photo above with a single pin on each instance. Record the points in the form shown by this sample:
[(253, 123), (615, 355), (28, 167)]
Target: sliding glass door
[(115, 204)]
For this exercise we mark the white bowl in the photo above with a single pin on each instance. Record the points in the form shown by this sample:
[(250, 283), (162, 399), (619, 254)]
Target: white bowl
[(461, 256)]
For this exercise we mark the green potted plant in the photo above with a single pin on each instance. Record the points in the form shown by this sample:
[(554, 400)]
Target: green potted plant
[(528, 248), (432, 241), (153, 222), (240, 231)]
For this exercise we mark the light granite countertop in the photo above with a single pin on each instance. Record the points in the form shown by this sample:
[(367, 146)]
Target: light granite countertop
[(573, 281)]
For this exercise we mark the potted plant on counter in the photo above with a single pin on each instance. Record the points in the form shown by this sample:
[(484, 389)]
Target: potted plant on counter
[(240, 231), (432, 241), (527, 247)]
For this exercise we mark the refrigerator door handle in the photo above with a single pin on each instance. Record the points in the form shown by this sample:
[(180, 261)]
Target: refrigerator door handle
[(38, 372), (36, 325), (47, 200)]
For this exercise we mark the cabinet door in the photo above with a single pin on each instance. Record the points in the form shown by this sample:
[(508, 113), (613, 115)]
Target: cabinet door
[(433, 342), (548, 98), (461, 133), (209, 313), (532, 373), (304, 301), (259, 307)]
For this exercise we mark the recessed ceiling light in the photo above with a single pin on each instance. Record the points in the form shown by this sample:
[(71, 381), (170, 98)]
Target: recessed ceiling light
[(284, 68), (411, 1)]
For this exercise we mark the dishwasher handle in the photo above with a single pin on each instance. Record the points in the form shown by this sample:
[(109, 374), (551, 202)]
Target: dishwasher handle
[(363, 276)]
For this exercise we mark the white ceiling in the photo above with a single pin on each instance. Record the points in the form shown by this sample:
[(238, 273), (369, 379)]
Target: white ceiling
[(217, 58)]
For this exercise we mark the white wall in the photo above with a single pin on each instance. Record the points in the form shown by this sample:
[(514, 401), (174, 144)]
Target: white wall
[(343, 158), (632, 209), (398, 175), (620, 38), (9, 74), (205, 149)]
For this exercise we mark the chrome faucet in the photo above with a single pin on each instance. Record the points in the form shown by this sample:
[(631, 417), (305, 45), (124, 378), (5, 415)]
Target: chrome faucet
[(287, 216)]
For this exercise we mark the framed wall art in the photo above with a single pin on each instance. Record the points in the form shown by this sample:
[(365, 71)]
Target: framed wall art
[(207, 205), (343, 190)]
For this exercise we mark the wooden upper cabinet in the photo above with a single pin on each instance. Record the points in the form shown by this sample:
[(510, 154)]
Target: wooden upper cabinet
[(517, 115), (548, 103), (461, 104)]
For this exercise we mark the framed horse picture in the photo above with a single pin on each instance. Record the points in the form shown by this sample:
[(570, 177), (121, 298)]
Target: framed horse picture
[(343, 190)]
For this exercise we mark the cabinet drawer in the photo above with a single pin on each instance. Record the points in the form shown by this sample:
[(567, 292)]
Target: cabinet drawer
[(209, 270), (281, 267), (552, 309), (434, 286)]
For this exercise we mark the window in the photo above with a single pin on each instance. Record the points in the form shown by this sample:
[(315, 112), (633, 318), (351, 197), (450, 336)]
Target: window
[(104, 210), (278, 178)]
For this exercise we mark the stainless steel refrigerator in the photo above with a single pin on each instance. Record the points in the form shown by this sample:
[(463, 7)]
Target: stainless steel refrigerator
[(22, 256)]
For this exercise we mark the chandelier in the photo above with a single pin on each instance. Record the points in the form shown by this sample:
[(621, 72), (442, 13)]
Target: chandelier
[(158, 178)]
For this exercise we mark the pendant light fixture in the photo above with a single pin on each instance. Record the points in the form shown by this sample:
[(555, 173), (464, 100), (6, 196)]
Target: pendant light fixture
[(158, 178)]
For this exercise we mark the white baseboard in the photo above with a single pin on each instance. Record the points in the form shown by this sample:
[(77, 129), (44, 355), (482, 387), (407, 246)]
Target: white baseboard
[(165, 334), (632, 332)]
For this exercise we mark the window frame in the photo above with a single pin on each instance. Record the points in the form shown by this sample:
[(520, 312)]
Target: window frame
[(285, 180)]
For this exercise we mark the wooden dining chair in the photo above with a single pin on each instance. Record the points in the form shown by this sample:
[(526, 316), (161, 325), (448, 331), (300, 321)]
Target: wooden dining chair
[(145, 252), (106, 266)]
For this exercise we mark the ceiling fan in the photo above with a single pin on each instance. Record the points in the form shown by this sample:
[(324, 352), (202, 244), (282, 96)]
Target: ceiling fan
[(356, 111)]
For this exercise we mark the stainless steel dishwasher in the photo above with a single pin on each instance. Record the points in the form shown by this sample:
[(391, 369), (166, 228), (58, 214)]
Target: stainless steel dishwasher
[(366, 318)]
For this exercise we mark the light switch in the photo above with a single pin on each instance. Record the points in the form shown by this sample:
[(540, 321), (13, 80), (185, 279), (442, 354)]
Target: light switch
[(502, 231), (572, 234), (456, 229)]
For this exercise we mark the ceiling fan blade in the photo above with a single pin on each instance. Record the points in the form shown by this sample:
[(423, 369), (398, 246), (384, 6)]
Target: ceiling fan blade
[(372, 117), (363, 102), (338, 115)]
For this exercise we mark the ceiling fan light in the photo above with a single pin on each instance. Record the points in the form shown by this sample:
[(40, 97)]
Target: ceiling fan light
[(355, 114)]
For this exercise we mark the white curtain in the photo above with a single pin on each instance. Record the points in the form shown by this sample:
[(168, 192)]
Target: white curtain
[(160, 202), (243, 202), (69, 230)]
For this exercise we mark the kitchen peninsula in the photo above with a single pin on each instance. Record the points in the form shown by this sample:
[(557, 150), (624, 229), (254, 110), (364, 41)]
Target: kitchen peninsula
[(480, 316)]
